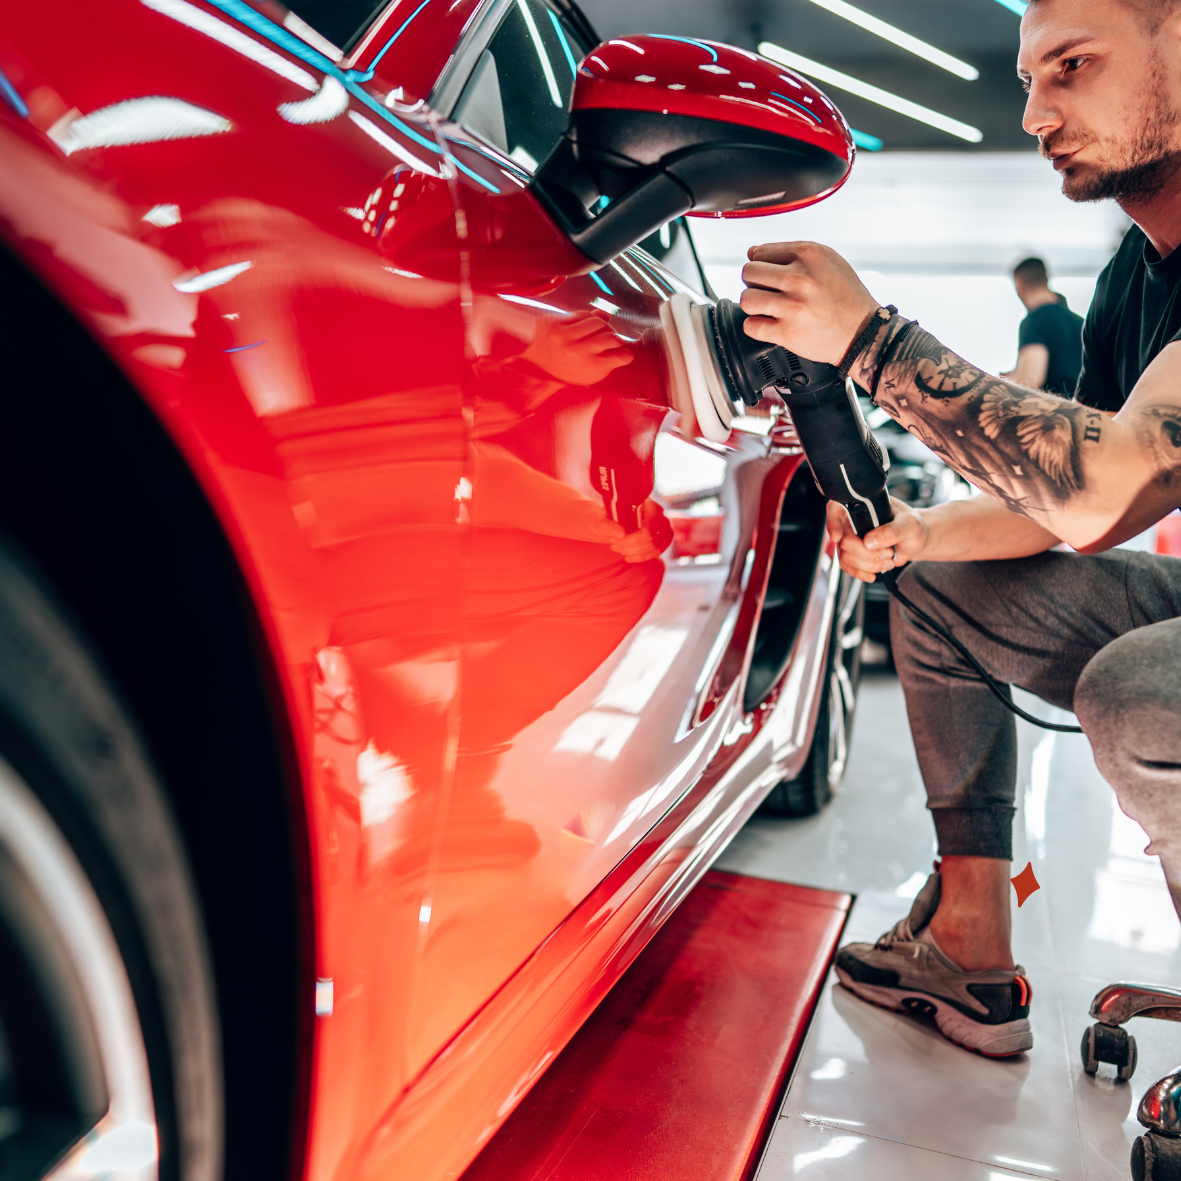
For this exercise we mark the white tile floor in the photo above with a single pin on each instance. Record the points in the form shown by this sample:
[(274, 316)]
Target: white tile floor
[(882, 1096)]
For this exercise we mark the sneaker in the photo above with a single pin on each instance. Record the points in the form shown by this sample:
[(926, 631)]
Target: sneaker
[(907, 971)]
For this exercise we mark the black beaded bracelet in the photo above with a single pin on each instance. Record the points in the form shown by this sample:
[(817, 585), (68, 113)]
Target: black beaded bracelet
[(887, 354), (880, 317)]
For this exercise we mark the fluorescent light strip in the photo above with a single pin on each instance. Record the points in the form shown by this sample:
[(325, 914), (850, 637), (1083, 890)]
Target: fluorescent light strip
[(874, 94), (546, 68), (904, 40), (1017, 6)]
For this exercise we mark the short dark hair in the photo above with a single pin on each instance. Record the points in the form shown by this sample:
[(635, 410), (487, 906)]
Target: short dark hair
[(1032, 271), (1151, 13)]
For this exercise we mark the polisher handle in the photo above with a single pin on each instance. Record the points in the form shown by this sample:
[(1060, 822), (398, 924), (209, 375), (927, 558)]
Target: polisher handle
[(847, 463), (863, 519)]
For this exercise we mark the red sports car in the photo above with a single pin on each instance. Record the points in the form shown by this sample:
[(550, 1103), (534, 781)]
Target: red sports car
[(385, 646)]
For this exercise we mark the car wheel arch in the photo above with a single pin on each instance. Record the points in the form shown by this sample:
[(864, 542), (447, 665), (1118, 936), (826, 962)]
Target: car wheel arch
[(152, 586)]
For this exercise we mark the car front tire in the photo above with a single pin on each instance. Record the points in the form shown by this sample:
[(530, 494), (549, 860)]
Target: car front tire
[(109, 1039), (828, 756)]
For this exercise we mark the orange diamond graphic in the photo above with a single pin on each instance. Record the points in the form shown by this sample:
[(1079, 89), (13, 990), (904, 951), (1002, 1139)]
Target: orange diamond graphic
[(1025, 883)]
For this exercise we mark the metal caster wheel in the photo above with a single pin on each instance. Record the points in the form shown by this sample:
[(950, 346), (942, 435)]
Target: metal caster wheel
[(1109, 1043), (1156, 1158)]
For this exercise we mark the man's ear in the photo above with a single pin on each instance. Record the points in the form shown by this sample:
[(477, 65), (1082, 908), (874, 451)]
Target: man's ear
[(1169, 33)]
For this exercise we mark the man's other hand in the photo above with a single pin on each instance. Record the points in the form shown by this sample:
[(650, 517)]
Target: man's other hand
[(652, 538), (885, 548), (806, 298)]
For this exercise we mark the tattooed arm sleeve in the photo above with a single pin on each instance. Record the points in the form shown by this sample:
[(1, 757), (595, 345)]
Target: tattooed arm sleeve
[(1022, 446)]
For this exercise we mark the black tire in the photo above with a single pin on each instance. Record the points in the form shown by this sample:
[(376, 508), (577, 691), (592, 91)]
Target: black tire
[(1156, 1158), (74, 773), (828, 756)]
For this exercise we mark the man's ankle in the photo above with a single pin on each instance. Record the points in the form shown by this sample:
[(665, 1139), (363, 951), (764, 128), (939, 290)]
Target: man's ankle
[(960, 941), (972, 923)]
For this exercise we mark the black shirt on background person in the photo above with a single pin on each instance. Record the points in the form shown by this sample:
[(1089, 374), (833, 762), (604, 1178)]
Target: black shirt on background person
[(1049, 341), (1061, 331)]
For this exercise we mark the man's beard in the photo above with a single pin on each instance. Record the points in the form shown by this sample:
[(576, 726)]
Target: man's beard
[(1146, 164)]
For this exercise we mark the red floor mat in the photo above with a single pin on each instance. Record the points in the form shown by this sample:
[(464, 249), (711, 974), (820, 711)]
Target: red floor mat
[(678, 1072)]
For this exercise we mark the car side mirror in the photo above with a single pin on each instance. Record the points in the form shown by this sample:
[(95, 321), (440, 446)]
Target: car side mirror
[(661, 126)]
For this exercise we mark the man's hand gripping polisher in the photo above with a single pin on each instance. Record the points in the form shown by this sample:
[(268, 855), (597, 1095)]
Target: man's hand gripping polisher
[(717, 370), (723, 370)]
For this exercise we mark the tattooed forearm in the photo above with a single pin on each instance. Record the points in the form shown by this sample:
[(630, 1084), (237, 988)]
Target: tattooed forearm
[(1023, 446)]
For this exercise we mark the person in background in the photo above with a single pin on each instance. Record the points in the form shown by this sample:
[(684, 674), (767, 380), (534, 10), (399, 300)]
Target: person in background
[(1050, 339)]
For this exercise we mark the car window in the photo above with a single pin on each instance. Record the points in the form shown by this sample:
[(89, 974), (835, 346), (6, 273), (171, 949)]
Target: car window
[(518, 94), (672, 246), (338, 20)]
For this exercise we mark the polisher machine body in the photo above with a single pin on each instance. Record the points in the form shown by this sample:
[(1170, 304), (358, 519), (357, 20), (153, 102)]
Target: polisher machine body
[(718, 371)]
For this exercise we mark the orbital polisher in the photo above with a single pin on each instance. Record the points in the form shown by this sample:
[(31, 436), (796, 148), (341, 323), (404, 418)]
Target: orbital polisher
[(717, 370), (723, 370)]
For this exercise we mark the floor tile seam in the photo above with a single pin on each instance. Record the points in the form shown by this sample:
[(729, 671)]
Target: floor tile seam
[(834, 1127), (1069, 1064)]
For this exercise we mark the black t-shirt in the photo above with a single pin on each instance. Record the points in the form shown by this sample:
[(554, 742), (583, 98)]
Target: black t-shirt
[(1135, 313), (1061, 331)]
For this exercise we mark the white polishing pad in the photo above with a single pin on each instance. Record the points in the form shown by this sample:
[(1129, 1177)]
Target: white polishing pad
[(709, 363), (674, 355), (713, 419)]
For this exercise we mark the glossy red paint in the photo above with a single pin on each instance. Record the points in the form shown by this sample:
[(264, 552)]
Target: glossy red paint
[(409, 44), (1168, 534), (678, 1071), (705, 79), (444, 457)]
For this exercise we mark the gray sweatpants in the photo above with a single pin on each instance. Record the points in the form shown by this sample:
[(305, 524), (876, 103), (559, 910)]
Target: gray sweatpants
[(1099, 635)]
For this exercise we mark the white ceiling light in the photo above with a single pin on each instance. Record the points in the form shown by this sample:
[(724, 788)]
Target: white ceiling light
[(873, 93), (889, 33)]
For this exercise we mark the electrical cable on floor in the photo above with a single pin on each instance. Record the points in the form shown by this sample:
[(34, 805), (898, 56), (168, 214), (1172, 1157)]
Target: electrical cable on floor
[(890, 582)]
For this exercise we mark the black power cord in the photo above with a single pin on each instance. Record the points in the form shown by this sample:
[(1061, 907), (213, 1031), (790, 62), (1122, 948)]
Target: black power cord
[(890, 582)]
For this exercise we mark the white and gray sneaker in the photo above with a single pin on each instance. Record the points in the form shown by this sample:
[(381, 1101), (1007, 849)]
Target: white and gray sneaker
[(906, 970)]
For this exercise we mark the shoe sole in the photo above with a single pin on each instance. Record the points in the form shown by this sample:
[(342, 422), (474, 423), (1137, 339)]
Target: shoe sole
[(991, 1041)]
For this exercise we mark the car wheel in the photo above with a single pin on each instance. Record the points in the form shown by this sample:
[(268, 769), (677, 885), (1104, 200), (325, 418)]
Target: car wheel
[(824, 768), (109, 1043)]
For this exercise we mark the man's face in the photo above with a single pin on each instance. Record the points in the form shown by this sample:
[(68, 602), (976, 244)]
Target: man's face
[(1104, 96)]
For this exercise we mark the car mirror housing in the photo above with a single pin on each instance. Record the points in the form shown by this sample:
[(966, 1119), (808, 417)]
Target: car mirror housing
[(662, 126)]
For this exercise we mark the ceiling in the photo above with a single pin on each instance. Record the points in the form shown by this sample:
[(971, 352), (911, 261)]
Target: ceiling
[(982, 33)]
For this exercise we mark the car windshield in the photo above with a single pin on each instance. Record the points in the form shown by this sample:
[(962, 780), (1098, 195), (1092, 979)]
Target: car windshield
[(340, 21), (518, 94), (672, 246)]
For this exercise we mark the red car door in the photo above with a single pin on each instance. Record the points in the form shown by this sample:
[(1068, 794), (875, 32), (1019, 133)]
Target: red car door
[(607, 555)]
